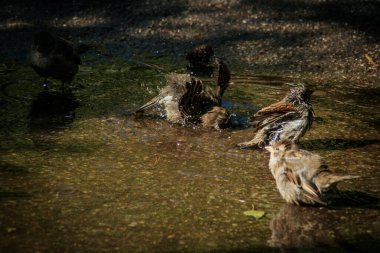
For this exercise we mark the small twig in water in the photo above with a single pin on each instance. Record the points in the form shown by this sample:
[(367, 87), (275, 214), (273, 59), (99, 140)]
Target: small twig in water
[(370, 60), (158, 158)]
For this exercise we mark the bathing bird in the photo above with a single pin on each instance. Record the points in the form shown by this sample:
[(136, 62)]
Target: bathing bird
[(302, 177), (186, 100)]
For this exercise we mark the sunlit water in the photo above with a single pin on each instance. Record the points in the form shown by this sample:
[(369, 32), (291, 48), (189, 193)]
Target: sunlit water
[(93, 178)]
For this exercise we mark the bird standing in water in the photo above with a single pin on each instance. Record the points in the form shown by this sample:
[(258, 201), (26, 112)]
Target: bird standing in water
[(52, 56), (187, 100), (302, 177), (288, 119)]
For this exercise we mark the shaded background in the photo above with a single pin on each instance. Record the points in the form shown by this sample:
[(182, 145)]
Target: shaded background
[(328, 41)]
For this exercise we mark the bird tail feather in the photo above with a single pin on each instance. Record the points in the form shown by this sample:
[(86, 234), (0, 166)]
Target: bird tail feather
[(149, 104)]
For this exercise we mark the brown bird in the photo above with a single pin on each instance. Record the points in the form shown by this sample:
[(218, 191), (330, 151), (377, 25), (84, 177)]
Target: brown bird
[(187, 100), (199, 61), (288, 119), (52, 56), (302, 177)]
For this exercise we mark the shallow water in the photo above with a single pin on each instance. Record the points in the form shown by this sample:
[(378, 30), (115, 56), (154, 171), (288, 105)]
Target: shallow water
[(90, 177)]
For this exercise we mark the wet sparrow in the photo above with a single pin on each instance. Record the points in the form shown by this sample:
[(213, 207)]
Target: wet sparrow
[(302, 177), (199, 61), (52, 56), (288, 119), (187, 100)]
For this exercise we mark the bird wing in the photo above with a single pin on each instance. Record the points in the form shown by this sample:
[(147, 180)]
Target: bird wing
[(309, 190), (149, 104), (265, 120), (174, 90), (279, 107), (196, 101), (224, 74), (66, 48), (274, 113), (224, 77)]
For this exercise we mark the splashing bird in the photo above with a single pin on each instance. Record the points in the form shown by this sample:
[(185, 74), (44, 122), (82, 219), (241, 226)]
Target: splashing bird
[(186, 99)]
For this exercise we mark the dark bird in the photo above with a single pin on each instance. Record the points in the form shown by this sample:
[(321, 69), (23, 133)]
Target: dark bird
[(186, 99), (301, 177), (199, 61), (288, 119), (52, 56)]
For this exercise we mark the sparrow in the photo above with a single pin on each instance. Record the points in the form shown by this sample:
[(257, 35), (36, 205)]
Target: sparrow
[(288, 119), (199, 61), (186, 99), (302, 177), (53, 56)]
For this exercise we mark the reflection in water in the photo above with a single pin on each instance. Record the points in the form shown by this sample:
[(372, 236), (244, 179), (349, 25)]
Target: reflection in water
[(7, 168), (305, 229), (300, 227), (50, 111), (53, 104)]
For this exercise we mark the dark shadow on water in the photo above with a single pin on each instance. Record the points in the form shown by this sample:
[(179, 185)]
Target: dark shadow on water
[(8, 168), (341, 199), (335, 144), (311, 229), (52, 104), (14, 194), (373, 122), (50, 112)]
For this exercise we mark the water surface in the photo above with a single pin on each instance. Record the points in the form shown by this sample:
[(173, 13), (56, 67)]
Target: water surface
[(79, 173)]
